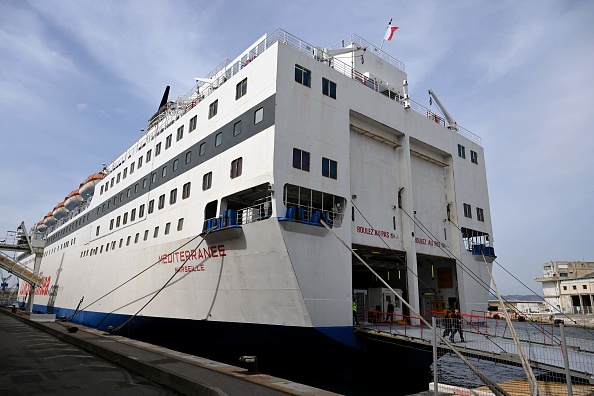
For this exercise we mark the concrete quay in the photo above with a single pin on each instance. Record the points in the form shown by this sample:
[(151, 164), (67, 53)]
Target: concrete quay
[(175, 373)]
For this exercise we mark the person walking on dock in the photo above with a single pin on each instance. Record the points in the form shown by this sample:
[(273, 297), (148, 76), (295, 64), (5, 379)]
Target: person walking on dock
[(447, 323), (390, 314), (457, 322), (355, 312)]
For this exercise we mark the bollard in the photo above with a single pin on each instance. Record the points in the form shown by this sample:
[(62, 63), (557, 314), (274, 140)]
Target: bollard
[(251, 362)]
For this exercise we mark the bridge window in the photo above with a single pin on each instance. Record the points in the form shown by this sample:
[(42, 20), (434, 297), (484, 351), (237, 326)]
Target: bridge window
[(302, 75), (180, 133), (473, 157), (329, 168), (236, 168), (213, 108), (461, 151), (193, 122), (241, 89), (301, 159), (467, 211), (329, 88)]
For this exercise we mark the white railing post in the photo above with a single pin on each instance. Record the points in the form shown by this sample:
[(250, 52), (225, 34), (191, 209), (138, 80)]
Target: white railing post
[(565, 360), (435, 390)]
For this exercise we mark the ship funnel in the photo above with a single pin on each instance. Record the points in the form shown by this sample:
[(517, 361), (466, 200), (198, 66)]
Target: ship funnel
[(165, 97)]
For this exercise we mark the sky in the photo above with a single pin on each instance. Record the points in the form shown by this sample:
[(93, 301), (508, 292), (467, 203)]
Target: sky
[(79, 80)]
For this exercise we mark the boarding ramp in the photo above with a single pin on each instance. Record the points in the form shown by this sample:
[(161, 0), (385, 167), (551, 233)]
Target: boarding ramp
[(19, 270), (555, 353)]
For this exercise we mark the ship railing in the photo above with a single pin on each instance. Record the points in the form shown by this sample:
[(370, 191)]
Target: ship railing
[(355, 39), (260, 210), (225, 70), (392, 322), (312, 214)]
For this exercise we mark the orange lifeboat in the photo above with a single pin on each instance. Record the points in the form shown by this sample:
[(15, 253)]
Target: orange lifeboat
[(60, 211), (87, 187), (73, 200), (49, 219), (41, 227)]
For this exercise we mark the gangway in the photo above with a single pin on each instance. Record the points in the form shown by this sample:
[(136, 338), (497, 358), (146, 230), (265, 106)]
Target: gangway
[(20, 270), (20, 241)]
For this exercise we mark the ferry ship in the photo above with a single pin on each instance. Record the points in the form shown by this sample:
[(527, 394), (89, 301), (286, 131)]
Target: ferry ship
[(208, 232)]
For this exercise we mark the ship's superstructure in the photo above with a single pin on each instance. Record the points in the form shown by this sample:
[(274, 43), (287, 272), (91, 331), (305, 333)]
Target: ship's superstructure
[(229, 183)]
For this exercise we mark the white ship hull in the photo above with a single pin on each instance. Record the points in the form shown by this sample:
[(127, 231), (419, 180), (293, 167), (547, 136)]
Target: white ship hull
[(391, 181)]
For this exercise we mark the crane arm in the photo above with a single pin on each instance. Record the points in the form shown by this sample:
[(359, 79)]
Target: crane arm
[(451, 122)]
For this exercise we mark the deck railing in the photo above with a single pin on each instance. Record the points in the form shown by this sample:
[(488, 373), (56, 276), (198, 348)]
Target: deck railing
[(225, 70)]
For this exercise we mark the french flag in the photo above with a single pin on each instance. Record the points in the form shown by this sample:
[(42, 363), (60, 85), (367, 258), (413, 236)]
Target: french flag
[(390, 32)]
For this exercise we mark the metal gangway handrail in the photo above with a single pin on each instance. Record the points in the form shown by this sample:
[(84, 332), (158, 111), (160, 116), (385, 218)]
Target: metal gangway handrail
[(20, 270)]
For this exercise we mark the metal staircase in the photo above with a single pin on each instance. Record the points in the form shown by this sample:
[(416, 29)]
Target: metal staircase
[(20, 270)]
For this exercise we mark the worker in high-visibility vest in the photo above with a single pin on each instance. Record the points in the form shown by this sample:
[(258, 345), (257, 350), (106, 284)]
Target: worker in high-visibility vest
[(355, 312)]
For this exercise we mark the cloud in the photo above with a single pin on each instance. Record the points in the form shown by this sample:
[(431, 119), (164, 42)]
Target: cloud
[(82, 106)]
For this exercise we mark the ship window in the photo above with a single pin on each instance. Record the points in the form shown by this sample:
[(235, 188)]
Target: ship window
[(202, 150), (167, 142), (241, 89), (329, 88), (329, 168), (154, 178), (114, 200), (237, 128), (141, 211), (474, 157), (113, 245), (118, 221), (302, 75), (108, 204), (480, 216), (121, 242), (188, 157), (101, 190), (574, 287), (161, 201), (212, 109), (128, 240), (164, 171), (128, 192), (180, 224), (101, 251), (207, 181), (125, 219), (148, 155), (236, 167), (136, 237), (219, 139), (311, 205), (186, 190), (111, 182), (584, 287), (461, 151), (259, 115), (144, 182), (97, 232), (111, 224), (180, 133), (173, 196), (125, 173), (106, 186), (175, 165), (121, 197), (133, 214), (193, 123), (167, 228), (467, 211), (564, 287), (158, 149), (132, 167), (156, 232), (145, 235), (118, 178), (107, 247), (300, 159), (139, 162), (151, 206)]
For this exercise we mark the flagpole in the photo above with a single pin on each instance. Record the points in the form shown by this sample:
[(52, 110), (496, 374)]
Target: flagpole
[(384, 39)]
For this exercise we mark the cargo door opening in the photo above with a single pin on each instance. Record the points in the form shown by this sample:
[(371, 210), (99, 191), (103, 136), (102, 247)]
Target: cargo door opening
[(438, 288), (372, 297)]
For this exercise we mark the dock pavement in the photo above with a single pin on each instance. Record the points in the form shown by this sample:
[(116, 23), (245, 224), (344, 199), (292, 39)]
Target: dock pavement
[(45, 358)]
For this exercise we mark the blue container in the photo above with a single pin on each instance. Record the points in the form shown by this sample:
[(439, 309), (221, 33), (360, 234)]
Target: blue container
[(290, 212), (316, 217), (231, 217), (325, 218), (204, 225), (224, 218), (299, 214)]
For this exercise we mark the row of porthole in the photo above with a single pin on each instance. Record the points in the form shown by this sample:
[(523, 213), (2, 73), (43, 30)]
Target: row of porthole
[(112, 245)]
